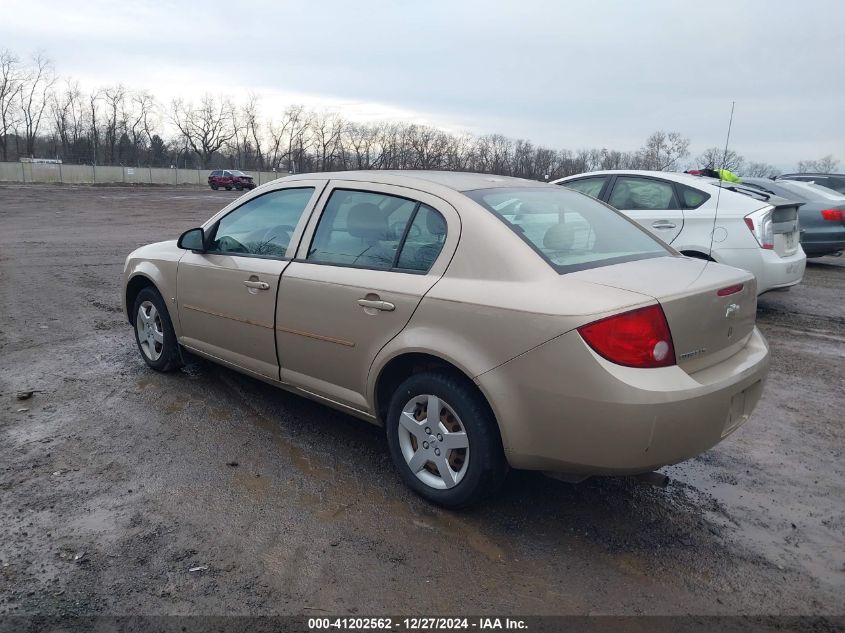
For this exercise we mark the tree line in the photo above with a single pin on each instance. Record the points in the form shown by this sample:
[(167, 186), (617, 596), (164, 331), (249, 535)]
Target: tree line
[(43, 115)]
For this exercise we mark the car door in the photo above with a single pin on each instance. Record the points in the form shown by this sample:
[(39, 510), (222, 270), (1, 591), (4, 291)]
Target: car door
[(651, 202), (364, 264), (227, 295)]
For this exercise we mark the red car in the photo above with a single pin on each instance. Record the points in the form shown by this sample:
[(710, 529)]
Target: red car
[(230, 179)]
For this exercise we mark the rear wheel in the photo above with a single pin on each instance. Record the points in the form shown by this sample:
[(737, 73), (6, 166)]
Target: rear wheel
[(154, 332), (213, 187), (444, 440)]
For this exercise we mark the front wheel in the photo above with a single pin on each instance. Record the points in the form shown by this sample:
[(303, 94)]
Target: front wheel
[(213, 187), (444, 439), (154, 332)]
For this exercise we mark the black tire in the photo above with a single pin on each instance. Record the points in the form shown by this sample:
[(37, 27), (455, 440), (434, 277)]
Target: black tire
[(170, 359), (487, 466), (214, 187)]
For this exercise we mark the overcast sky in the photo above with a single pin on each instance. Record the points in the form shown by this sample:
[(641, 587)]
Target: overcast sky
[(562, 74)]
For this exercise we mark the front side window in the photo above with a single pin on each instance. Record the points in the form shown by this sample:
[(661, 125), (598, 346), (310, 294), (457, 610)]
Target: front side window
[(375, 230), (569, 231), (591, 186), (633, 193), (262, 226)]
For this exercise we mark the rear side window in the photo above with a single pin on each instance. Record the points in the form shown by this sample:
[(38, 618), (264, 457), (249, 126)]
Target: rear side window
[(375, 230), (634, 193), (569, 231), (591, 186), (424, 240), (262, 226), (692, 198)]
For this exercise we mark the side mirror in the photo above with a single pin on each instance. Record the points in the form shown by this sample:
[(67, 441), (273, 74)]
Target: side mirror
[(192, 240)]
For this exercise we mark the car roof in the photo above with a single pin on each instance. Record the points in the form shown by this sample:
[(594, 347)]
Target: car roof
[(687, 179), (455, 180), (810, 174)]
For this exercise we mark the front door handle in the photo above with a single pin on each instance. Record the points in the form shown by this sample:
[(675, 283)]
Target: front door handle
[(663, 224), (259, 285), (377, 304)]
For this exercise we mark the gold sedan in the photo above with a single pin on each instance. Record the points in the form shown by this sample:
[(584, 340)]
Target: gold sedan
[(485, 322)]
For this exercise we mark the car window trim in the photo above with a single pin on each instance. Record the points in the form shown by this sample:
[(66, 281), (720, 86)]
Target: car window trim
[(392, 269), (216, 225)]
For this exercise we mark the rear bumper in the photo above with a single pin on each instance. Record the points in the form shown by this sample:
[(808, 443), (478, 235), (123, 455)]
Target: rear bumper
[(771, 270), (603, 418)]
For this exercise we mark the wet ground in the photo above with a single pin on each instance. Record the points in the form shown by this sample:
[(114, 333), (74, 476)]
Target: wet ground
[(119, 491)]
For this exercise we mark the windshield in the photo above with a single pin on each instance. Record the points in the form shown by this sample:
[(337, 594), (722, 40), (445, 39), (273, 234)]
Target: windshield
[(570, 230)]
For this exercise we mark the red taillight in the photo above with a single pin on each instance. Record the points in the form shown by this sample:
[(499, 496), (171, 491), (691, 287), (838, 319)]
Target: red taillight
[(730, 290), (639, 338), (834, 215)]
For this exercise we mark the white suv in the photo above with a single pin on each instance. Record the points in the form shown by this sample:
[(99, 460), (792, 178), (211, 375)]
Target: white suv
[(758, 233)]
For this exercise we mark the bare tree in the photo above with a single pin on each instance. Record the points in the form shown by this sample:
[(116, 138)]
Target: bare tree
[(251, 122), (663, 150), (759, 170), (718, 158), (204, 128), (136, 117), (35, 87), (10, 86), (114, 105), (825, 165)]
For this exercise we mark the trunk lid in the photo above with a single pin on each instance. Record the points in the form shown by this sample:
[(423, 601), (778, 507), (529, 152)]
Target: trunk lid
[(707, 327), (785, 228)]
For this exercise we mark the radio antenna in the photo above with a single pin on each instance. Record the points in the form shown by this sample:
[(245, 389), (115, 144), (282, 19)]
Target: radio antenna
[(719, 192)]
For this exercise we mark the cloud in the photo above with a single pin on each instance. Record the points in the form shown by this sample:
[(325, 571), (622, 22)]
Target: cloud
[(604, 73)]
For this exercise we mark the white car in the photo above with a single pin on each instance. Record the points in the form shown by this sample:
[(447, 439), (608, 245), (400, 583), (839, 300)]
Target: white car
[(758, 233)]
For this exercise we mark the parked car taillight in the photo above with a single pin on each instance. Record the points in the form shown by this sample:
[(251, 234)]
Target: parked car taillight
[(762, 227), (833, 215), (639, 338)]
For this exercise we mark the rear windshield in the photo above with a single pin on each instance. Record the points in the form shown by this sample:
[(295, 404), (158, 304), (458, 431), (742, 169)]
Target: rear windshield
[(812, 192), (570, 230), (236, 172)]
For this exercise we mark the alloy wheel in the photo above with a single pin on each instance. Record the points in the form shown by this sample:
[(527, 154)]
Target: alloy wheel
[(433, 441), (150, 331)]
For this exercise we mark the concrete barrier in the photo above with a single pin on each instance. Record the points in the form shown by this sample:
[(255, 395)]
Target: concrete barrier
[(109, 174)]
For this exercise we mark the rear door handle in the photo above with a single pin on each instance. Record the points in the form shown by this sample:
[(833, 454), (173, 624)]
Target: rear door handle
[(663, 224), (377, 304), (260, 285)]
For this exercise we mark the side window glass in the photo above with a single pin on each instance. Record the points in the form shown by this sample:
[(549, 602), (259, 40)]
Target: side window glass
[(591, 186), (361, 228), (424, 240), (693, 198), (263, 225), (632, 193)]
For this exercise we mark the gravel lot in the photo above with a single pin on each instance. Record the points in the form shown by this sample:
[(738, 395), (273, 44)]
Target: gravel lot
[(115, 481)]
